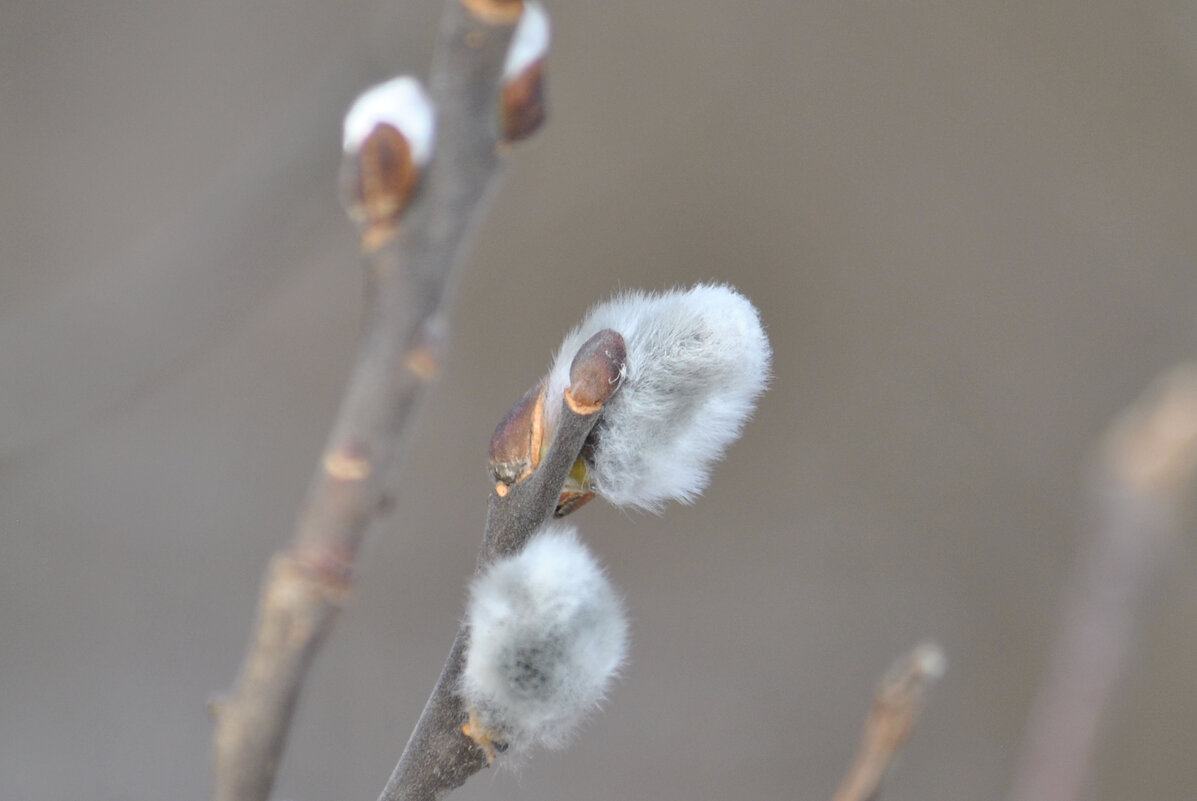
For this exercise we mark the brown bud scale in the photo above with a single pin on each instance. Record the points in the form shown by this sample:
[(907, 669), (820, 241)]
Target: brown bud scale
[(380, 179), (597, 371), (571, 502), (516, 443), (523, 103)]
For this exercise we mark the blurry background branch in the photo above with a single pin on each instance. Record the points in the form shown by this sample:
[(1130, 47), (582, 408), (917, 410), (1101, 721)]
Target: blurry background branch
[(409, 263), (897, 704), (1140, 485)]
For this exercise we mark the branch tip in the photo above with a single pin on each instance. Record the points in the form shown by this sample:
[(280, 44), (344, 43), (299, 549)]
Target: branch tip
[(903, 690), (914, 672), (1152, 447), (898, 700)]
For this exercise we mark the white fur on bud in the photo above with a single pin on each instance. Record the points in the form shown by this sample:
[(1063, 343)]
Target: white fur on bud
[(697, 360), (401, 103), (547, 635), (530, 42)]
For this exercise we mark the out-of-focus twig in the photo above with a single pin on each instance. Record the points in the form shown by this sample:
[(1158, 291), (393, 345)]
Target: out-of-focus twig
[(899, 700), (1144, 470), (408, 272)]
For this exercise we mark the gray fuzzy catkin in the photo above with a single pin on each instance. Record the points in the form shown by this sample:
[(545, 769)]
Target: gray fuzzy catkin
[(697, 361), (547, 635)]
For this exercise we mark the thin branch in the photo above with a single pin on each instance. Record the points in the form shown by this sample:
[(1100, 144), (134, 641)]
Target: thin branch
[(409, 269), (897, 704), (1145, 467), (439, 757)]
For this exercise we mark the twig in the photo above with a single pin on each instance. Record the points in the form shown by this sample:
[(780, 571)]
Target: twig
[(408, 270), (899, 700), (439, 757), (1146, 464)]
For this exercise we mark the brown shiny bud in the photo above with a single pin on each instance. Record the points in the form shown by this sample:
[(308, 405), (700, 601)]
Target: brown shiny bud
[(380, 179), (596, 372), (523, 103), (516, 443)]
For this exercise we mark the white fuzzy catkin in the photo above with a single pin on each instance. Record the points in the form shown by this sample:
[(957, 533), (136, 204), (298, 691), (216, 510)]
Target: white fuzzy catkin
[(697, 360), (547, 635), (401, 103), (530, 42)]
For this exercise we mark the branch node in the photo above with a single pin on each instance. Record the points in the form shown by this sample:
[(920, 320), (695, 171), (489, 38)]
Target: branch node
[(423, 361), (348, 463), (326, 566)]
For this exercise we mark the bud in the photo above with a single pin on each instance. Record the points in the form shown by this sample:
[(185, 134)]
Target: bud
[(522, 96), (696, 362), (515, 447), (547, 634), (388, 140), (596, 372)]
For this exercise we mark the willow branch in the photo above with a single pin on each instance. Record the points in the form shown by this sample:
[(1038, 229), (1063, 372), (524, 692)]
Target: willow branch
[(897, 704), (1145, 468), (409, 268), (439, 757)]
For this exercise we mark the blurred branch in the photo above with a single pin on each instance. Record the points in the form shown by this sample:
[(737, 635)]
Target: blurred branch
[(408, 273), (1145, 468), (897, 704)]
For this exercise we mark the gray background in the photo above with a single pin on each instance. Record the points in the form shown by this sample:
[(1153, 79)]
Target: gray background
[(970, 231)]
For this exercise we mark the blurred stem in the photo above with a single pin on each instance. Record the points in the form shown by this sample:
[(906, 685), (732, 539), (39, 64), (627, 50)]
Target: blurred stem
[(408, 278), (1145, 467), (897, 704)]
